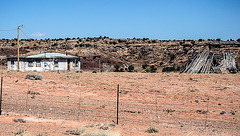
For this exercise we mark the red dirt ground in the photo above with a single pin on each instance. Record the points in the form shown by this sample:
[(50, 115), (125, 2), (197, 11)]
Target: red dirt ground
[(175, 104)]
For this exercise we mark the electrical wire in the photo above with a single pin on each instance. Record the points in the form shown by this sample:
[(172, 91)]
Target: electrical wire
[(9, 30), (25, 34)]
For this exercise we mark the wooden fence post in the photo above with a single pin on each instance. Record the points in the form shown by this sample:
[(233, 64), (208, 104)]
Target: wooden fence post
[(117, 101), (1, 96)]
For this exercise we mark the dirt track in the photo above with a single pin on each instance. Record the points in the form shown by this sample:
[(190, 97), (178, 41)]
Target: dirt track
[(175, 104)]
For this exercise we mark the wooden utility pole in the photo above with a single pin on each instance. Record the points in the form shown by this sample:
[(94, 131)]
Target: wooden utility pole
[(18, 43), (1, 97)]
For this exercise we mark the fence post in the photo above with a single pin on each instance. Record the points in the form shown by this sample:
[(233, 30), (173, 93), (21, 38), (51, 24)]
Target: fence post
[(206, 125), (1, 97), (27, 99), (117, 101)]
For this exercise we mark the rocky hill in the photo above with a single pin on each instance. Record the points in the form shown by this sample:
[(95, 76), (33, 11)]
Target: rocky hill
[(140, 53)]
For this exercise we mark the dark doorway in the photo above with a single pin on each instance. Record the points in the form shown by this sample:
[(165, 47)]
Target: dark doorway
[(68, 65)]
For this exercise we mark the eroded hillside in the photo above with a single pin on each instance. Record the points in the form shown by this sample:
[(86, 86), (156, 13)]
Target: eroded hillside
[(125, 52)]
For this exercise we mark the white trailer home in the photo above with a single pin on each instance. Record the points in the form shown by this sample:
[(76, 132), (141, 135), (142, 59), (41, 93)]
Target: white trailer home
[(45, 62)]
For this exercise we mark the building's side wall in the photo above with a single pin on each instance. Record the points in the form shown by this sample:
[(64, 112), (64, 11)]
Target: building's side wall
[(45, 65), (73, 67)]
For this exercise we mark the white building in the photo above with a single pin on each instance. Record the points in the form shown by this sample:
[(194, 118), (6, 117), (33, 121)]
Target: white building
[(45, 62)]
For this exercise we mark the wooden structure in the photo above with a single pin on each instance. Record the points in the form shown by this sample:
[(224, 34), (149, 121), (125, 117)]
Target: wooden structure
[(206, 62)]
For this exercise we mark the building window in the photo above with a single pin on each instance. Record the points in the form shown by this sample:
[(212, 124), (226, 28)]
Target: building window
[(30, 64), (55, 63), (12, 62), (38, 63), (75, 63)]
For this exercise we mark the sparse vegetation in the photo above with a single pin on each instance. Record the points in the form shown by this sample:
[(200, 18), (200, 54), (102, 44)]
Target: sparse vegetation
[(168, 69), (202, 111), (152, 130), (33, 76), (130, 68)]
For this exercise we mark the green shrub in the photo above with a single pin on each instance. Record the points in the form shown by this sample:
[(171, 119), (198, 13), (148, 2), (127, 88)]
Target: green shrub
[(116, 68), (161, 63), (130, 68), (144, 66), (168, 69), (152, 130), (153, 69), (238, 40)]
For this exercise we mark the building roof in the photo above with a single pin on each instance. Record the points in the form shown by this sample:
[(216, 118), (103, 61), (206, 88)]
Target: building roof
[(48, 55)]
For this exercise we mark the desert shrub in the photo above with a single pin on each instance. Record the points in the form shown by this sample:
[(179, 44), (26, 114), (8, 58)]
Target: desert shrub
[(153, 69), (76, 131), (238, 40), (33, 76), (121, 70), (19, 120), (104, 127), (152, 130), (130, 68), (161, 63), (116, 68), (148, 71), (172, 57), (201, 111), (168, 69), (19, 132), (144, 66)]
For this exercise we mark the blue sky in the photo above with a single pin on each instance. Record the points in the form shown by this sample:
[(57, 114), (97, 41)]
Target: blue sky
[(154, 19)]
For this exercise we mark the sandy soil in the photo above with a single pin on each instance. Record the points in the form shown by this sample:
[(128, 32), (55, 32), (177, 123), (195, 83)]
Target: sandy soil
[(172, 103)]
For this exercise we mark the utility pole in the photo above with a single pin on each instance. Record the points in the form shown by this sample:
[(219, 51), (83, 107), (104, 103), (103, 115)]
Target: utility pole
[(18, 42)]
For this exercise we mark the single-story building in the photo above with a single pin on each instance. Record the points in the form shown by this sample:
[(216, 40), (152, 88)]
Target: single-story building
[(45, 62)]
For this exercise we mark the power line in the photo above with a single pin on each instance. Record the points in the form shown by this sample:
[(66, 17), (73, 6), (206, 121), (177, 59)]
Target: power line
[(9, 30), (25, 34)]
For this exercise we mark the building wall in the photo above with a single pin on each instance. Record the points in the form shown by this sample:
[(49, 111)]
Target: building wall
[(46, 65)]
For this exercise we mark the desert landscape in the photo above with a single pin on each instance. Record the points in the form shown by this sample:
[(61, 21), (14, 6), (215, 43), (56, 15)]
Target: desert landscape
[(69, 103)]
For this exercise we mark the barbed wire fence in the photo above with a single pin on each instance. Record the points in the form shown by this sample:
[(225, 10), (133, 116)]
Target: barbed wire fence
[(165, 110)]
